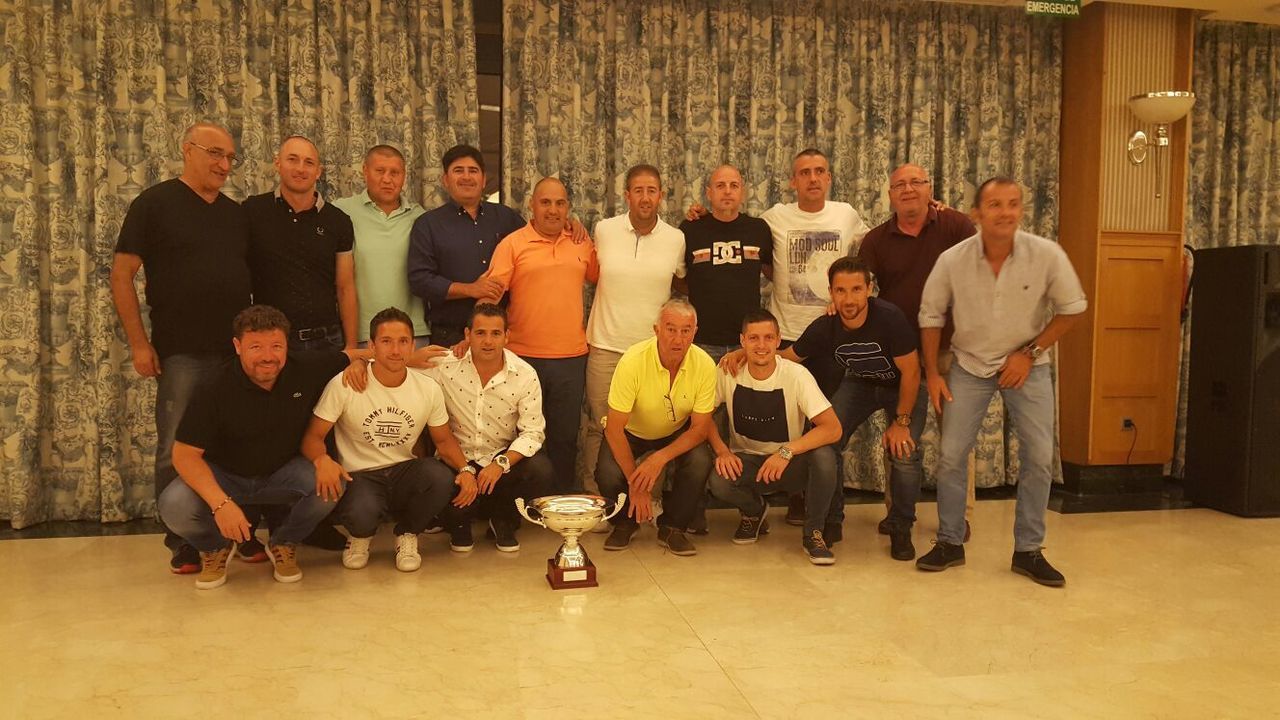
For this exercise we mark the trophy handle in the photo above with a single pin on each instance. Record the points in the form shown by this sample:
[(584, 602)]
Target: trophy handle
[(622, 501), (520, 508)]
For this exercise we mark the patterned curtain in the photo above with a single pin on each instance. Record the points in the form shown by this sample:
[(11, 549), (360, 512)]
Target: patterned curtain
[(94, 95), (594, 86), (1233, 189)]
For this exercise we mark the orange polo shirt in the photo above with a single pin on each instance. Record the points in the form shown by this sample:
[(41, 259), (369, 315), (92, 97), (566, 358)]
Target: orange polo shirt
[(545, 279)]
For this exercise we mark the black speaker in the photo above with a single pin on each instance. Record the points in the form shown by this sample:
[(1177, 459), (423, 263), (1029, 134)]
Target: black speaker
[(1233, 400)]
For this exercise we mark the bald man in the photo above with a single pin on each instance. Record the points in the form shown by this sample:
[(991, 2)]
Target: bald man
[(544, 270), (192, 240), (300, 253)]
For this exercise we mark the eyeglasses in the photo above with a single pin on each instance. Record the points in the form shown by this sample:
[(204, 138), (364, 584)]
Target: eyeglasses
[(219, 155), (916, 183), (671, 408)]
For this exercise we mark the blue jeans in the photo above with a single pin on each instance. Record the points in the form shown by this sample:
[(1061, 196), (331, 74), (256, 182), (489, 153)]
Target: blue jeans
[(688, 479), (814, 472), (564, 382), (181, 377), (330, 340), (1031, 411), (413, 491), (854, 402), (294, 484)]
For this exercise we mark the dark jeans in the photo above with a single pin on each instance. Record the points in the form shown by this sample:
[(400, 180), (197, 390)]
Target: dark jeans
[(530, 478), (293, 485), (688, 483), (811, 472), (330, 339), (446, 335), (180, 378), (564, 382), (854, 402), (413, 491)]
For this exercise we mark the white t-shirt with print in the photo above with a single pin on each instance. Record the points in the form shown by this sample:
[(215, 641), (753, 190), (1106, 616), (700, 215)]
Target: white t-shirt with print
[(379, 427), (804, 246), (766, 414)]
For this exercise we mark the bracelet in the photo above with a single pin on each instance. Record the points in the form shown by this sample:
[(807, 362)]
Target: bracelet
[(225, 500)]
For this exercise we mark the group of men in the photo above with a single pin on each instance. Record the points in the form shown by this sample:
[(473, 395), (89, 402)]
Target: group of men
[(285, 273)]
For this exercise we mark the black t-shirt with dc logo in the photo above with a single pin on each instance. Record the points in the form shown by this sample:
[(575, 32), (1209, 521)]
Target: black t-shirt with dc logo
[(723, 261), (831, 350)]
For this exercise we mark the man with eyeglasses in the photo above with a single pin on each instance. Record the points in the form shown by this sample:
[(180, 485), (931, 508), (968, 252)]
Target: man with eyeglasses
[(901, 253), (661, 397), (300, 253), (193, 241)]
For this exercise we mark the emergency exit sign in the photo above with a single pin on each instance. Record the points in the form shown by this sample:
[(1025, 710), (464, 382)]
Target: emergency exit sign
[(1057, 8)]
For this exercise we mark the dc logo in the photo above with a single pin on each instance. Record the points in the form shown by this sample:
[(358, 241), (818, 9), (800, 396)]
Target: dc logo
[(319, 230), (726, 253)]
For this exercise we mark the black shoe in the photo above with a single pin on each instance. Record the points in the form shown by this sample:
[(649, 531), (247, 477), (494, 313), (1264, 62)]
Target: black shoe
[(832, 533), (251, 551), (942, 556), (750, 529), (503, 536), (676, 542), (620, 538), (795, 509), (885, 526), (460, 540), (698, 526), (185, 560), (815, 546), (900, 547), (325, 537), (1033, 564)]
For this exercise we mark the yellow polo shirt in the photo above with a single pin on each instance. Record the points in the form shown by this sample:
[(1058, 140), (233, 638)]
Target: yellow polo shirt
[(658, 407)]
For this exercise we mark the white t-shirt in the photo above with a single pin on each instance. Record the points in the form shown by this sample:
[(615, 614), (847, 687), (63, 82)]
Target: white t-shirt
[(804, 246), (380, 426), (635, 279), (766, 414)]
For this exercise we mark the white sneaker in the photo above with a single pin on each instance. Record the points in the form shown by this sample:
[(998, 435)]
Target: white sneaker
[(407, 557), (356, 555)]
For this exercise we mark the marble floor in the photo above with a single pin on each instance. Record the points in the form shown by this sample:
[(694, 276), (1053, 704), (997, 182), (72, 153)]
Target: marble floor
[(1166, 614)]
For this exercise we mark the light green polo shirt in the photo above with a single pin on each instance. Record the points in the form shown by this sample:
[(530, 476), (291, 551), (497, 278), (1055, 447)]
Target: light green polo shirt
[(382, 259)]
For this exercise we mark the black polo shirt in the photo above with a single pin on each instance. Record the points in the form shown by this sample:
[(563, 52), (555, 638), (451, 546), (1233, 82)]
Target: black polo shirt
[(249, 431), (293, 257), (194, 260)]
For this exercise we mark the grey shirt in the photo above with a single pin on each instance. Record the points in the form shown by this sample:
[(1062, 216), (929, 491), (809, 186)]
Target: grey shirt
[(997, 315)]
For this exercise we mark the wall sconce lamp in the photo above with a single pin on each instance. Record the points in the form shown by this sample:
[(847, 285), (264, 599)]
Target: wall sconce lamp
[(1159, 109)]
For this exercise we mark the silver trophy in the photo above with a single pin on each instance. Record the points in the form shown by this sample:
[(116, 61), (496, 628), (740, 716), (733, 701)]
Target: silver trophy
[(571, 516)]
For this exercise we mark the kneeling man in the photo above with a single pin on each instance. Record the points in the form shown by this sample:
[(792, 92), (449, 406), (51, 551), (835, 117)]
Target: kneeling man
[(238, 443), (769, 399), (376, 432), (660, 403)]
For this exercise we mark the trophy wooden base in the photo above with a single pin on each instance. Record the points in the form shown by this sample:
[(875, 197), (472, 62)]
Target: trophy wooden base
[(569, 578)]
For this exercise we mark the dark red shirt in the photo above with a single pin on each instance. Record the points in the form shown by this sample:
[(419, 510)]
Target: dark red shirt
[(902, 263)]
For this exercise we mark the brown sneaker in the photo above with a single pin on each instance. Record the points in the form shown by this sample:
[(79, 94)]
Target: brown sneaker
[(675, 542), (285, 561), (213, 568)]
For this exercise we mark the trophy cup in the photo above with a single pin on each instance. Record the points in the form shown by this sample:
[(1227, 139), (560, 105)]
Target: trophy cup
[(569, 515)]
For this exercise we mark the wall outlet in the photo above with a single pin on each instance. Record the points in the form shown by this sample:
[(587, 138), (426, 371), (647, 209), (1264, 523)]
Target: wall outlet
[(1126, 424)]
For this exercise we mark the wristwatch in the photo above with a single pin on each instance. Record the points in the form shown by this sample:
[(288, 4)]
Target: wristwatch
[(904, 420), (1034, 350), (785, 452), (504, 462)]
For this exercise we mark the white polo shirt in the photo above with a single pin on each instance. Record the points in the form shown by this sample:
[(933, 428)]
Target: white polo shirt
[(635, 279), (804, 246)]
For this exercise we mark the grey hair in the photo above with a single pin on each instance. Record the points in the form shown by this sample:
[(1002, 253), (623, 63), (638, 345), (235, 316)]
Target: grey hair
[(679, 306)]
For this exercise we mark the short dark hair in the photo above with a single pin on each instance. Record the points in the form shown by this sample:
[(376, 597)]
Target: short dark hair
[(997, 180), (487, 310), (457, 152), (642, 169), (259, 318), (810, 152), (848, 264), (383, 150), (758, 315), (386, 315)]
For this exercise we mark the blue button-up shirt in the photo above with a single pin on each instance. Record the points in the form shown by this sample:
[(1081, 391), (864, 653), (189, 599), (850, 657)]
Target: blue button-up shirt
[(446, 246)]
